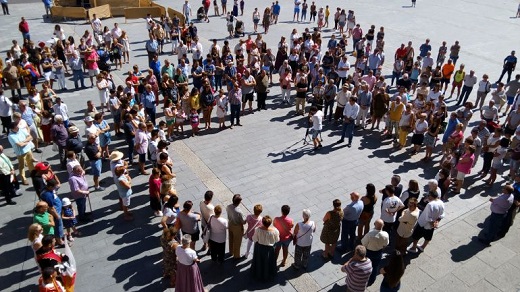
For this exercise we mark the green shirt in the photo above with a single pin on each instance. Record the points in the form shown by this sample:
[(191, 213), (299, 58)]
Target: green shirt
[(43, 220)]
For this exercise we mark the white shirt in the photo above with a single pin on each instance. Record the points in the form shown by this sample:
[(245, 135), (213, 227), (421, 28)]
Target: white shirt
[(343, 97), (92, 130), (470, 80), (427, 62), (351, 111), (317, 119), (484, 86), (345, 65), (305, 233), (218, 228), (421, 127), (389, 208), (433, 95), (206, 210), (6, 109), (432, 212), (375, 240), (185, 256), (61, 109)]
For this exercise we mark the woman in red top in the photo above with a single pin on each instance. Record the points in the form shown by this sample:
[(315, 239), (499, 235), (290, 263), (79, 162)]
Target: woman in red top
[(284, 224), (454, 139), (155, 191)]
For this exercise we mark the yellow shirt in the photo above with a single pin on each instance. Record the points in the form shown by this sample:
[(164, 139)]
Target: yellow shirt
[(396, 111), (195, 102), (327, 12)]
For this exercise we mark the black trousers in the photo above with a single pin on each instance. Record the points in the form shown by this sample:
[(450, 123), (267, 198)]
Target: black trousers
[(6, 124), (5, 8), (218, 250), (260, 100), (8, 187)]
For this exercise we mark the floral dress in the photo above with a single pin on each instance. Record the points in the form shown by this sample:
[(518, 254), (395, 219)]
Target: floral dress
[(169, 259), (331, 228)]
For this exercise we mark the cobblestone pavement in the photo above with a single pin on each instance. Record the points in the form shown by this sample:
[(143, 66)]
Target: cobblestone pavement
[(266, 162)]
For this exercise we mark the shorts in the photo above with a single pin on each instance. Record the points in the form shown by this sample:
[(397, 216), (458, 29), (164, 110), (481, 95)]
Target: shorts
[(247, 97), (417, 139), (510, 99), (126, 201), (420, 232), (170, 122), (194, 236), (446, 81), (142, 158), (95, 167), (47, 75), (256, 21), (297, 10), (93, 72), (460, 175), (342, 23), (283, 243), (315, 133)]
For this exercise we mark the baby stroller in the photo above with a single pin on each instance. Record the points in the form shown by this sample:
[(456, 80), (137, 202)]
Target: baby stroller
[(239, 28), (104, 58)]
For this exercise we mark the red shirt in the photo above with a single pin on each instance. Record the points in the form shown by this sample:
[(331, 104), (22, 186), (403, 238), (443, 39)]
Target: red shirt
[(154, 185), (24, 26), (401, 53), (134, 80), (284, 225)]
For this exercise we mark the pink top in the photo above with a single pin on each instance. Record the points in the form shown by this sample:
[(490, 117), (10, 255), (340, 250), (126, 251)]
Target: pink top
[(94, 57), (252, 223), (465, 167), (284, 225), (457, 137), (142, 141)]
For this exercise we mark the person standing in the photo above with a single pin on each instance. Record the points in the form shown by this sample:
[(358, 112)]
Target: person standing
[(261, 88), (389, 208), (406, 226), (358, 269), (188, 276), (511, 89), (284, 224), (351, 214), (129, 128), (217, 237), (303, 235), (393, 272), (79, 191), (235, 100), (8, 180), (6, 112), (316, 119), (48, 195), (469, 81), (350, 113), (236, 226), (499, 208), (454, 52), (428, 221), (5, 7), (22, 145), (206, 211), (508, 67), (263, 266), (374, 242), (364, 101), (93, 152), (23, 27)]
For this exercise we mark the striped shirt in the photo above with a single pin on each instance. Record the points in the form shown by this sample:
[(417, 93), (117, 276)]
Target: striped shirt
[(358, 273)]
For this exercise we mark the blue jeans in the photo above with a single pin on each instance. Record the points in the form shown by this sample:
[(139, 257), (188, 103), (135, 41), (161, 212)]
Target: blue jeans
[(131, 144), (395, 76), (218, 82), (348, 234), (375, 257), (151, 114), (348, 131), (235, 114), (58, 227), (78, 76), (494, 225), (81, 204), (329, 105)]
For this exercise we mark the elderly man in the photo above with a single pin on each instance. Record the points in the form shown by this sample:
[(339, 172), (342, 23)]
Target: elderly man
[(358, 269), (350, 113), (22, 144), (93, 152), (28, 116), (499, 208), (6, 111), (235, 100), (351, 214), (374, 241), (407, 223), (342, 99), (76, 64), (12, 77), (428, 221), (79, 191), (148, 101), (236, 226), (60, 108), (248, 84), (8, 182), (364, 101), (59, 137), (469, 81)]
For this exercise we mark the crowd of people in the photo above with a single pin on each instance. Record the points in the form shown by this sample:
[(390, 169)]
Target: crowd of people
[(342, 79)]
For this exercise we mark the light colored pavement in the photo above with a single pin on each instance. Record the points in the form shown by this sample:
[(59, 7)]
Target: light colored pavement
[(266, 162)]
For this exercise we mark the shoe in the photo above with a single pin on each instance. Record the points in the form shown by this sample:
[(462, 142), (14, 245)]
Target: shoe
[(99, 189), (25, 182), (59, 245), (296, 267), (420, 248), (412, 250), (11, 203), (340, 141), (36, 150), (239, 124), (349, 145), (320, 146)]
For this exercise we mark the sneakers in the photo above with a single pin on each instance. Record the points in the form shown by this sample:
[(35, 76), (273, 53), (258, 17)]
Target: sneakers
[(99, 189), (158, 213), (412, 250)]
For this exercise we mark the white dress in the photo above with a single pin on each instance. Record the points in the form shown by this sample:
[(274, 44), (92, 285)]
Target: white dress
[(126, 45), (221, 107)]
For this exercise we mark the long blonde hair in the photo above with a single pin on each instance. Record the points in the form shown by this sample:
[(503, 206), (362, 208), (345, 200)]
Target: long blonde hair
[(33, 232)]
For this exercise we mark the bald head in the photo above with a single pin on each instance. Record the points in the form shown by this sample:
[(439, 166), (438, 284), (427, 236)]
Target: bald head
[(378, 224), (354, 196)]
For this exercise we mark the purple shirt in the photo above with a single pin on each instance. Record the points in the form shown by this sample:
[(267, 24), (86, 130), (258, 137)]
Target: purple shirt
[(59, 134), (142, 141), (78, 183), (502, 203)]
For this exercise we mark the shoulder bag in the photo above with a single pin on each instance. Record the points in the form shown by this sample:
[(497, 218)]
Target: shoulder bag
[(295, 238)]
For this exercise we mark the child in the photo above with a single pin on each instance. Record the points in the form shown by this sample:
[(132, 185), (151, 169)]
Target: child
[(154, 184), (161, 128), (69, 218), (152, 146), (194, 120), (499, 154), (179, 120)]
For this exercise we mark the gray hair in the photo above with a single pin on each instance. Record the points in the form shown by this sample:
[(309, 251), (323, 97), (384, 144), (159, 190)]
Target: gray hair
[(433, 182), (306, 213), (186, 239), (58, 118), (361, 251)]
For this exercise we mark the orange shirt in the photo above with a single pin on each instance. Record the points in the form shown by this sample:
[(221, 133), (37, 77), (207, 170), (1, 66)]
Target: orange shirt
[(447, 70)]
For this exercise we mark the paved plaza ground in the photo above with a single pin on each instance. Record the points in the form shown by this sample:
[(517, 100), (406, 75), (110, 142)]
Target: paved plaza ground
[(266, 162)]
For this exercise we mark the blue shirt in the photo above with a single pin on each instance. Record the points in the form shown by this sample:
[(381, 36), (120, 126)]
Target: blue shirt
[(28, 116), (148, 99), (18, 137), (449, 129), (52, 200), (424, 48), (156, 67), (276, 9), (353, 210)]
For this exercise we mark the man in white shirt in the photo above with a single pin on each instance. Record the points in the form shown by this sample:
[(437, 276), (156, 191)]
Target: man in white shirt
[(389, 208), (350, 114), (6, 111), (374, 241), (116, 32), (342, 99), (428, 221), (206, 211), (316, 118), (60, 108), (343, 67), (489, 112), (97, 27), (186, 10), (469, 81), (427, 61)]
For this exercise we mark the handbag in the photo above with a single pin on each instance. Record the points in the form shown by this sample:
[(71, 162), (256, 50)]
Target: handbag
[(207, 231)]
